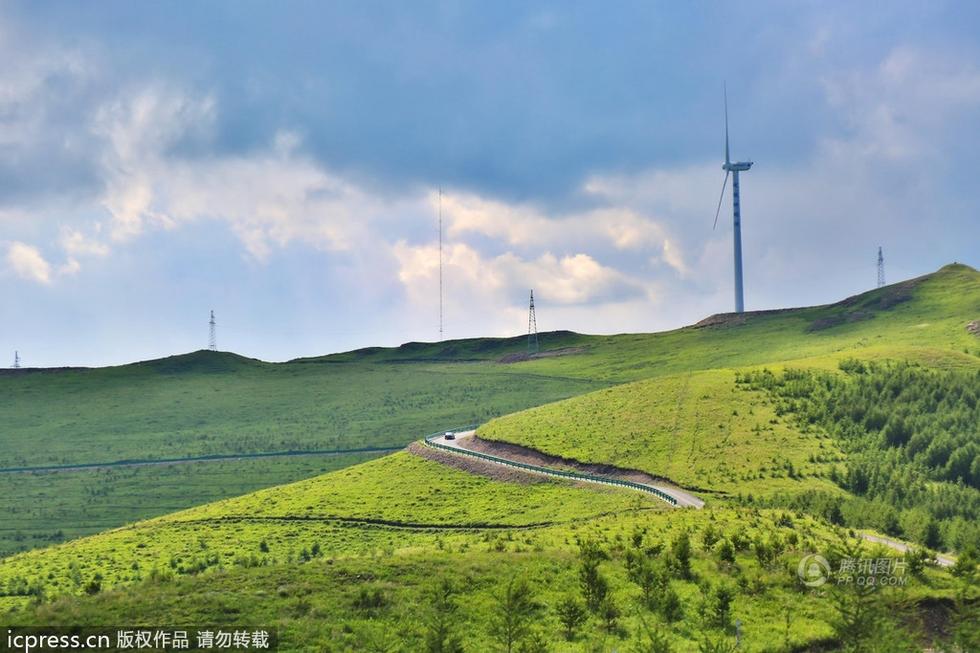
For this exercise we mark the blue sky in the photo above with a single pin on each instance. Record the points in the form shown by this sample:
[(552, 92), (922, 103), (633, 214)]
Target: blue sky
[(280, 163)]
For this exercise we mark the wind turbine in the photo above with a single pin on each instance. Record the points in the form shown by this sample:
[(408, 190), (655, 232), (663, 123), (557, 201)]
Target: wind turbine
[(733, 169)]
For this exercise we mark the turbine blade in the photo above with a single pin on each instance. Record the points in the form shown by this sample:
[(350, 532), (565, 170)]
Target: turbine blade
[(727, 160), (720, 198)]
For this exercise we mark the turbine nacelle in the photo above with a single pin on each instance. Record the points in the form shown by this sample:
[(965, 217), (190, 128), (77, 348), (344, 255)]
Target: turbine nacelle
[(738, 166)]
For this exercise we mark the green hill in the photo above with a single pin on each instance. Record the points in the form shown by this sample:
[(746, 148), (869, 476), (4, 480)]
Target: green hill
[(736, 408), (699, 430), (220, 404)]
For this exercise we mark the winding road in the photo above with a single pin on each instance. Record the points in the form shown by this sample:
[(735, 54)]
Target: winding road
[(669, 493), (898, 545), (676, 496)]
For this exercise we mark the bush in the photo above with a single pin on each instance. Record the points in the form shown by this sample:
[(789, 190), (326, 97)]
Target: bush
[(370, 599), (726, 552)]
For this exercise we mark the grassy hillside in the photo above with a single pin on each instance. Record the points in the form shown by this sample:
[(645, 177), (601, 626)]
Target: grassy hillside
[(393, 503), (679, 578), (699, 430), (210, 403), (218, 403), (214, 403), (42, 509), (931, 311), (389, 554)]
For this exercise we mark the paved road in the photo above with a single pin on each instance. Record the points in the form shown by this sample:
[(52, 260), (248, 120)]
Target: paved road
[(687, 500), (898, 545), (684, 499)]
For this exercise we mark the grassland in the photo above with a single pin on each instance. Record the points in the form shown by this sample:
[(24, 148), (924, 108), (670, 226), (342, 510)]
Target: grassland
[(699, 430), (352, 560), (218, 403), (370, 598), (47, 508), (394, 502), (214, 403)]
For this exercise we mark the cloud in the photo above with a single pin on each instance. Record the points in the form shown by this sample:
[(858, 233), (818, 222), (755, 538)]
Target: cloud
[(524, 225), (268, 197), (905, 108), (75, 243), (27, 263), (476, 279), (139, 128)]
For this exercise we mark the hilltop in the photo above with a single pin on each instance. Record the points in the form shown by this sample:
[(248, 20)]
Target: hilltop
[(220, 404), (738, 409)]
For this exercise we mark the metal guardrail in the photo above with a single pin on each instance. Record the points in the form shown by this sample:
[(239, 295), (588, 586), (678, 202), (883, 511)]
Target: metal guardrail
[(560, 473)]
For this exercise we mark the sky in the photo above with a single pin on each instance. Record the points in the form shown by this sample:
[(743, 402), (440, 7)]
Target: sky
[(281, 163)]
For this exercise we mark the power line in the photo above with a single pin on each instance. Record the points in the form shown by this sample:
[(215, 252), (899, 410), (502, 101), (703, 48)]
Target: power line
[(213, 339)]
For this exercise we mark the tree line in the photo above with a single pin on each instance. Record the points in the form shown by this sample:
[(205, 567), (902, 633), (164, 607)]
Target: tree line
[(912, 440)]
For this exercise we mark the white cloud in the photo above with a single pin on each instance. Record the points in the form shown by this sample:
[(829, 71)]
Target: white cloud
[(138, 128), (268, 198), (69, 267), (27, 262), (25, 85), (525, 226), (75, 243), (498, 280), (487, 295)]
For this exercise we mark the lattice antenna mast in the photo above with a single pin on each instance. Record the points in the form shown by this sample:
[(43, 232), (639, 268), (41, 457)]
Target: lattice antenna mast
[(532, 328), (440, 263), (16, 360), (881, 269), (213, 339)]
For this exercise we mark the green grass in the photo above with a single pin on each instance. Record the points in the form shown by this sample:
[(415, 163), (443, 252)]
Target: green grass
[(394, 502), (218, 403), (699, 430), (295, 555), (314, 604), (206, 403), (46, 508)]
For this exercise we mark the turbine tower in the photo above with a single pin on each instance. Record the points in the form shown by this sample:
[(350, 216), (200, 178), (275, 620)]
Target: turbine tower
[(733, 168), (16, 360), (213, 338), (532, 328), (881, 268)]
